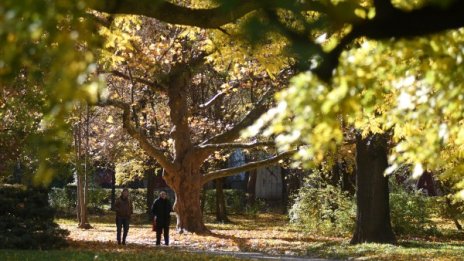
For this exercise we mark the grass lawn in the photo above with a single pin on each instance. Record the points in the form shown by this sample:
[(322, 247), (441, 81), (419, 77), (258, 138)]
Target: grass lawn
[(93, 254)]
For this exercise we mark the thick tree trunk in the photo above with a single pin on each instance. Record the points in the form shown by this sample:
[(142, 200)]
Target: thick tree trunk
[(221, 213), (187, 186), (372, 197)]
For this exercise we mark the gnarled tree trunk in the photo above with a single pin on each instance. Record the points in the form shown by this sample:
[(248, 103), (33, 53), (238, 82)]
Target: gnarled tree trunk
[(187, 186), (372, 195)]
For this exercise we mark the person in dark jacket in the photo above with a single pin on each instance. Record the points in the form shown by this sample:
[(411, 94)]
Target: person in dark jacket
[(124, 210), (161, 210)]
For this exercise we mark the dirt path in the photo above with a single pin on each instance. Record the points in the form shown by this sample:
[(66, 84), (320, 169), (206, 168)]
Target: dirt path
[(260, 244)]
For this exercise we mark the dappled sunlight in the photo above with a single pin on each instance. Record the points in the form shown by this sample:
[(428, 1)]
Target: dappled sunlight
[(268, 233)]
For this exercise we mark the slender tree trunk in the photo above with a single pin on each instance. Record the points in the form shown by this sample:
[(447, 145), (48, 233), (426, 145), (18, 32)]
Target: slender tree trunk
[(83, 221), (452, 210), (251, 187), (283, 174), (77, 145), (202, 200), (81, 172), (221, 213), (372, 197), (113, 187), (150, 175)]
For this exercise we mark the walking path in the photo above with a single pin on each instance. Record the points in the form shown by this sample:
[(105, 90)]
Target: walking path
[(258, 256)]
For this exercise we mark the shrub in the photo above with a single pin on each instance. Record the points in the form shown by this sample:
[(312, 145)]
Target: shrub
[(235, 200), (324, 209), (411, 211), (99, 199), (26, 219), (254, 208), (60, 201)]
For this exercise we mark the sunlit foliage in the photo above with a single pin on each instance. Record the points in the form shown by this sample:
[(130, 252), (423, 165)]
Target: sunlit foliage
[(412, 88)]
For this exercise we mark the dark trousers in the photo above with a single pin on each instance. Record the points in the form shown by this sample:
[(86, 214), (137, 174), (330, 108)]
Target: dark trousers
[(165, 230), (122, 222)]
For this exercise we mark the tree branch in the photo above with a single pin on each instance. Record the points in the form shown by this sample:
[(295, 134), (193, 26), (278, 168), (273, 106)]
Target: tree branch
[(248, 120), (143, 140), (400, 24), (218, 95), (235, 145), (204, 18), (154, 85), (252, 165), (212, 100), (391, 22)]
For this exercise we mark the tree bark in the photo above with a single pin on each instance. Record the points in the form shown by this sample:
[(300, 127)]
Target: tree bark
[(187, 186), (113, 187), (372, 196), (283, 175), (82, 184), (221, 213)]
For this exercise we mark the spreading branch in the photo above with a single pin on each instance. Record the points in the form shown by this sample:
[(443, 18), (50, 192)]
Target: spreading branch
[(249, 166), (143, 140), (205, 18), (233, 133), (389, 22), (235, 145)]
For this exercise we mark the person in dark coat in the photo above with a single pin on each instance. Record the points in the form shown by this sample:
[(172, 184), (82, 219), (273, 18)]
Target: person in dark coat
[(161, 210), (124, 210)]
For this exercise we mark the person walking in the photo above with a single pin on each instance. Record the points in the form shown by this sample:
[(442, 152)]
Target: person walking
[(161, 210), (124, 210)]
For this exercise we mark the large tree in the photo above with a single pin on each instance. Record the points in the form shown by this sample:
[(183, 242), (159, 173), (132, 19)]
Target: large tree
[(380, 20), (180, 109), (307, 24)]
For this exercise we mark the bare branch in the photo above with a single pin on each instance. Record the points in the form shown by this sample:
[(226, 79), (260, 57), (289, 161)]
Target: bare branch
[(218, 95), (155, 85), (248, 120), (236, 145), (212, 100), (143, 140), (252, 165)]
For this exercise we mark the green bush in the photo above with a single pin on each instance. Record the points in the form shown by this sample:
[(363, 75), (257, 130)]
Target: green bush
[(59, 199), (324, 209), (99, 199), (256, 207), (235, 200), (411, 211), (26, 219)]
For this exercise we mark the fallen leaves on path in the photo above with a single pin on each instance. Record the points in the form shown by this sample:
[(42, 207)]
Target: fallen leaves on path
[(265, 233)]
